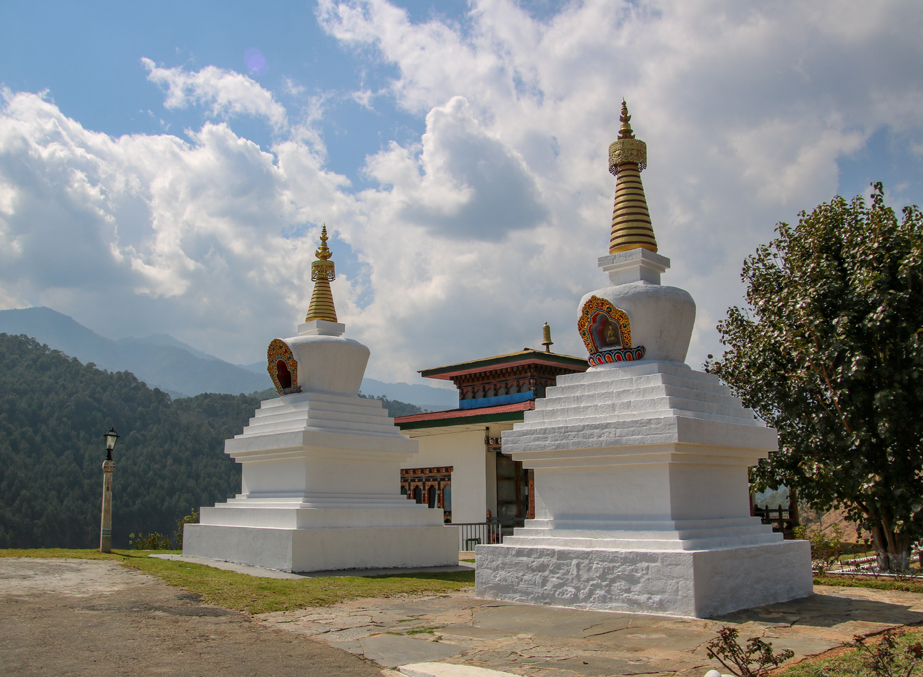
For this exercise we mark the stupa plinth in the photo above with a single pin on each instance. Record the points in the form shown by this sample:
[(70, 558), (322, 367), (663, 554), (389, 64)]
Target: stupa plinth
[(321, 466), (641, 463)]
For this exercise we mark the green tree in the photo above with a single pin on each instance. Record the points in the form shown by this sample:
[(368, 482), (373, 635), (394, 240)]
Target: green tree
[(830, 353)]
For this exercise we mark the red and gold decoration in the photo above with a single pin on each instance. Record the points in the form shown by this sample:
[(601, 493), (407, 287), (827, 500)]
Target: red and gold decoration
[(282, 367), (606, 332)]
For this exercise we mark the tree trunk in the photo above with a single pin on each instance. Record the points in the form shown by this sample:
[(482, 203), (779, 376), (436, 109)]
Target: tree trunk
[(892, 550), (900, 552), (794, 516)]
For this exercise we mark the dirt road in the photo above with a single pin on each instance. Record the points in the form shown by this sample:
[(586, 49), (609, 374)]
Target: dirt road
[(85, 617)]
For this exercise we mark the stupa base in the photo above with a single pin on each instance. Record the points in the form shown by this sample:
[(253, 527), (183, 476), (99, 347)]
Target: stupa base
[(691, 583), (324, 549)]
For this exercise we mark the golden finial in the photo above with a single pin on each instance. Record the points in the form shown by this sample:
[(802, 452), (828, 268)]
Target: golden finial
[(322, 274), (546, 338), (631, 220), (322, 252), (625, 130)]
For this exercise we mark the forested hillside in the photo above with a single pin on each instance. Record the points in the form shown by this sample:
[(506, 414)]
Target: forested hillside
[(53, 414), (394, 407), (170, 459)]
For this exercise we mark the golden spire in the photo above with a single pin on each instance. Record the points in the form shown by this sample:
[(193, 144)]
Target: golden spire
[(322, 272), (631, 221)]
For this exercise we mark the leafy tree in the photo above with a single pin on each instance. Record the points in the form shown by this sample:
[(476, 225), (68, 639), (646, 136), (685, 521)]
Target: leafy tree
[(830, 353)]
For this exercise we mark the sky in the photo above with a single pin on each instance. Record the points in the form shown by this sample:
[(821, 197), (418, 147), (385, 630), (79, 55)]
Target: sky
[(167, 167)]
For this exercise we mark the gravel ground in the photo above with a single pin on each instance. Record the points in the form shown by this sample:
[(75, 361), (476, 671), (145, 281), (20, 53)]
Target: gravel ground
[(86, 617)]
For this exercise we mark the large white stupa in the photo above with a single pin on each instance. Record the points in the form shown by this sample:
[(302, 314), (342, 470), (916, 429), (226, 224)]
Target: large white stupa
[(321, 466), (640, 463)]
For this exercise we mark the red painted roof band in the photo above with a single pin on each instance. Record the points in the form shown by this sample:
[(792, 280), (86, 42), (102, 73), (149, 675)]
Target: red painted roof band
[(464, 413)]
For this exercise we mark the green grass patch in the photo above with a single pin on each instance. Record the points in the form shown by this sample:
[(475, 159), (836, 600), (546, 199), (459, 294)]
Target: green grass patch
[(855, 554), (261, 595), (855, 662), (898, 585), (64, 553)]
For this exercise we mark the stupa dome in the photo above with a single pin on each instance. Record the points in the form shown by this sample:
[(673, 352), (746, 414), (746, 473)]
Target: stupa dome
[(319, 359), (636, 318)]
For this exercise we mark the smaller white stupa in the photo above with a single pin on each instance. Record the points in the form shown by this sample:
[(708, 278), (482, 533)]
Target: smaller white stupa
[(321, 466), (640, 463)]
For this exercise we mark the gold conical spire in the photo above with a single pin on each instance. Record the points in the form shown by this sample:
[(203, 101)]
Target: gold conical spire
[(322, 272), (631, 220)]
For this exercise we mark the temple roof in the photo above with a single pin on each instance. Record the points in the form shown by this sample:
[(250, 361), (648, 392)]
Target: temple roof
[(526, 356), (436, 419)]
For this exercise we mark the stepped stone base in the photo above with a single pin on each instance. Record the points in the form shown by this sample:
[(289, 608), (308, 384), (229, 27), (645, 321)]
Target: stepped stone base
[(692, 583), (320, 483), (324, 549)]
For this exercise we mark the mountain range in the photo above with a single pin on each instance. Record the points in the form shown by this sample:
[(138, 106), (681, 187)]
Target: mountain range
[(180, 370)]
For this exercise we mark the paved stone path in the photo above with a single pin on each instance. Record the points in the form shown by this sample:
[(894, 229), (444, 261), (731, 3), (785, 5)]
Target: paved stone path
[(98, 619), (553, 642)]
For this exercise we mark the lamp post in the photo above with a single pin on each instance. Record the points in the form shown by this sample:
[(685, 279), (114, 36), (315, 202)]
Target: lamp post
[(105, 536)]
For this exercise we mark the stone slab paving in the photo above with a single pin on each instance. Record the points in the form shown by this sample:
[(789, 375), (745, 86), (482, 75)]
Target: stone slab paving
[(537, 641), (447, 670), (261, 572)]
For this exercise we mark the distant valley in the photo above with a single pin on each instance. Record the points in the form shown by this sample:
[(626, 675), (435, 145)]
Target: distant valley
[(178, 369)]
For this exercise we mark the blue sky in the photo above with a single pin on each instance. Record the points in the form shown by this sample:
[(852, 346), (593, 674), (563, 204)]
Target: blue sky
[(167, 167)]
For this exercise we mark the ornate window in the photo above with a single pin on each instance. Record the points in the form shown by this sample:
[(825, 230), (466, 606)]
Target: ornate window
[(432, 486)]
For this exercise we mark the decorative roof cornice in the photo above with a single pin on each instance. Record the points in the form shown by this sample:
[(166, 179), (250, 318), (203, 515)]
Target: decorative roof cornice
[(523, 357)]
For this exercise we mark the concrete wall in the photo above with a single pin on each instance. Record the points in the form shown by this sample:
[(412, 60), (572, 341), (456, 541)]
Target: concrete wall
[(464, 451), (474, 469), (703, 583)]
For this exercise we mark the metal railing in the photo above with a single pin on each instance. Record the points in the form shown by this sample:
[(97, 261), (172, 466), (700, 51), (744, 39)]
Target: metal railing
[(780, 518), (471, 534)]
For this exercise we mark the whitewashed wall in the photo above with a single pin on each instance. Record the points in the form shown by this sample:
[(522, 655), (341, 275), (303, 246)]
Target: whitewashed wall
[(464, 451)]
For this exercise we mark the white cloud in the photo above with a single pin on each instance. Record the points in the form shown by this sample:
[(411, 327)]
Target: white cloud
[(746, 110), (490, 222), (227, 93), (460, 183), (153, 230)]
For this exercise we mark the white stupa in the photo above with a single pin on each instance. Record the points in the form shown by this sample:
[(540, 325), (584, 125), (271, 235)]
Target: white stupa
[(321, 466), (640, 463)]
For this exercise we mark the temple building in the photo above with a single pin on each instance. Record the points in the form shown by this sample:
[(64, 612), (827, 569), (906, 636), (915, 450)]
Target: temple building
[(460, 466)]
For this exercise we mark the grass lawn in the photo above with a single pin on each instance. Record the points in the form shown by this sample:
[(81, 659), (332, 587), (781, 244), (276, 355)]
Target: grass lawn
[(260, 595), (906, 585), (857, 663)]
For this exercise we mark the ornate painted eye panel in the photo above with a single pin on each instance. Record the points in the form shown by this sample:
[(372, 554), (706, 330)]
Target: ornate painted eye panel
[(606, 332), (282, 368)]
